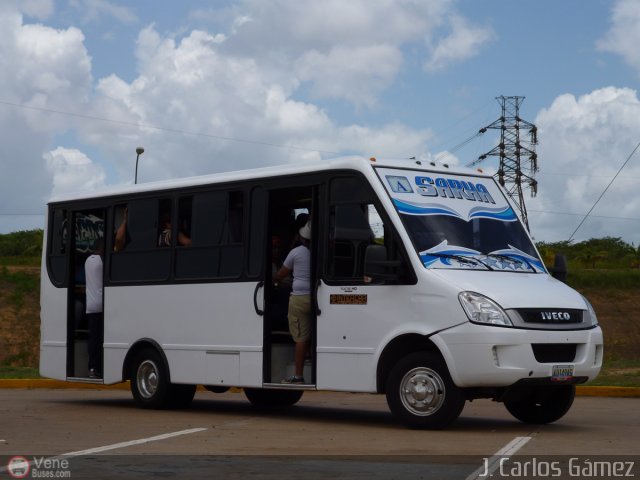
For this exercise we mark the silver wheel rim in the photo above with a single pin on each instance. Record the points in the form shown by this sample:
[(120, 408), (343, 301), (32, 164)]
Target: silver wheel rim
[(147, 379), (422, 391)]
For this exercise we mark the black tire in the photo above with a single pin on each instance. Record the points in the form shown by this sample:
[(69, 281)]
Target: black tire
[(150, 383), (263, 397), (421, 394), (181, 395), (541, 405)]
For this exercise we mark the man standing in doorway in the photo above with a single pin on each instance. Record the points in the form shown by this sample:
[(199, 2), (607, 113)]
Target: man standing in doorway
[(93, 273), (298, 262)]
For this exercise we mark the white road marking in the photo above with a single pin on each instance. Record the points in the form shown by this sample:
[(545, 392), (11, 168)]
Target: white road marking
[(115, 446), (491, 464)]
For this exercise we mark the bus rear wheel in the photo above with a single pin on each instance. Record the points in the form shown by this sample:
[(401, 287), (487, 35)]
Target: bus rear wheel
[(150, 384), (542, 404), (421, 394), (264, 397)]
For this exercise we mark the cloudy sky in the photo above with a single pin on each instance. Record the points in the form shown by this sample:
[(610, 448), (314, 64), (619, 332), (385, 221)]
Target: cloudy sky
[(214, 86)]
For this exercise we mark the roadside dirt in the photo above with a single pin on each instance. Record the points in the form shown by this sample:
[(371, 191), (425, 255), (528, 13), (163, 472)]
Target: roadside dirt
[(618, 313), (19, 326)]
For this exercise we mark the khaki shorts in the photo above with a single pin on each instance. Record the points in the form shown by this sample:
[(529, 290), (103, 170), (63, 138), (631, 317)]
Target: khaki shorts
[(300, 317)]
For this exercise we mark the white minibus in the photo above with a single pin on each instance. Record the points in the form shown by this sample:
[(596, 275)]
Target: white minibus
[(425, 287)]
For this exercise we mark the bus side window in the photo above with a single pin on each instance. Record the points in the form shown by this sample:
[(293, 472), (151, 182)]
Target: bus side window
[(165, 224), (120, 233), (235, 217), (138, 257), (354, 224), (185, 215), (143, 223), (216, 227)]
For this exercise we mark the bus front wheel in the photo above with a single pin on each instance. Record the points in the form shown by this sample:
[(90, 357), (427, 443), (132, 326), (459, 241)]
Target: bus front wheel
[(542, 405), (421, 394), (150, 384)]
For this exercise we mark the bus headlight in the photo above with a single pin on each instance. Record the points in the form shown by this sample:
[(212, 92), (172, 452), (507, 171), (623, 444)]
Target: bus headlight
[(483, 310), (592, 313)]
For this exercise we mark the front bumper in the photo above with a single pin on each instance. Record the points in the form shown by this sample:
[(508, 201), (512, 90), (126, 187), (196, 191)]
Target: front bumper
[(486, 356)]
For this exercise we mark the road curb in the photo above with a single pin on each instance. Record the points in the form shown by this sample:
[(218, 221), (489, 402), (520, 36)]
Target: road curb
[(32, 383), (587, 391)]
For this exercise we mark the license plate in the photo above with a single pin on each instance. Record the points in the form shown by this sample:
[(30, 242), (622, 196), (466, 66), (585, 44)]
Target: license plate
[(562, 372)]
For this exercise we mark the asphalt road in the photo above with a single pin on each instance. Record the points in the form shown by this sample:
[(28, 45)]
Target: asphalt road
[(101, 434)]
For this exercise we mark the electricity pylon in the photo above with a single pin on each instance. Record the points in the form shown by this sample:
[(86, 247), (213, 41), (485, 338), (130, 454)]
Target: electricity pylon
[(518, 158)]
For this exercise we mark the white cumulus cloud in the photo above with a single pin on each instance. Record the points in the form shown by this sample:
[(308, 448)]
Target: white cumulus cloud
[(44, 69), (584, 141), (623, 36), (73, 171), (216, 111), (464, 41)]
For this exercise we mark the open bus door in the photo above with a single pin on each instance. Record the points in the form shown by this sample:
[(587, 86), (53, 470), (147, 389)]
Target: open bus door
[(87, 227), (288, 209)]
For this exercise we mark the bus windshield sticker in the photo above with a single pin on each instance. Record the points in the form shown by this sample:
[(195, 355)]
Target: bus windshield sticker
[(460, 221)]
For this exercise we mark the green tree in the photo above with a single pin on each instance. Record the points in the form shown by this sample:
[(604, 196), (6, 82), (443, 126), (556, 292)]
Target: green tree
[(25, 243)]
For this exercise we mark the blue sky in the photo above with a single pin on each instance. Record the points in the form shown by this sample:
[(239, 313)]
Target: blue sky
[(387, 78)]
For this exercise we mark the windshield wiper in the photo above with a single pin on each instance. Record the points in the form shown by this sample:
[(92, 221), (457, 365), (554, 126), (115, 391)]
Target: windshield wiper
[(460, 258), (512, 259)]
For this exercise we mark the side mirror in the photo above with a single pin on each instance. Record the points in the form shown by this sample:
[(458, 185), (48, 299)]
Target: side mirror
[(378, 267), (559, 269)]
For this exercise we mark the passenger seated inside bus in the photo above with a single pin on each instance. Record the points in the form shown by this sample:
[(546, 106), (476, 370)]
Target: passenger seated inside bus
[(164, 238), (121, 233)]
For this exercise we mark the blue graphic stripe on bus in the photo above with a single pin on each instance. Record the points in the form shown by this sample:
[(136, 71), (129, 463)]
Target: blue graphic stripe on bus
[(506, 214), (429, 260), (444, 255), (411, 209), (521, 256)]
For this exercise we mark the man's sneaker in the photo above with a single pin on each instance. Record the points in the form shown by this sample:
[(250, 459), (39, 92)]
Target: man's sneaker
[(93, 373), (293, 379)]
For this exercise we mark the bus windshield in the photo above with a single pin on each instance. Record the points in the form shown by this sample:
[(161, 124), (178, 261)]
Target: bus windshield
[(460, 221)]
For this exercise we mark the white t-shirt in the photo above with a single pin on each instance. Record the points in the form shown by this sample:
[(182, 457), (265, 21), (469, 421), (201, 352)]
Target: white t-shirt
[(299, 260), (93, 277)]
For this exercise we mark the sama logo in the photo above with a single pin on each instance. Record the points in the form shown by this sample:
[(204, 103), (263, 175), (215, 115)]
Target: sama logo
[(399, 184), (452, 188)]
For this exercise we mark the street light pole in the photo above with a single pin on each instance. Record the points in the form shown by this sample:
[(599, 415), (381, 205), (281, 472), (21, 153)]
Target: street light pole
[(139, 151)]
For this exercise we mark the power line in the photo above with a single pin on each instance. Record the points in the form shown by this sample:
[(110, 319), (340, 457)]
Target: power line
[(564, 174), (581, 214), (605, 191), (449, 128), (458, 146), (165, 129)]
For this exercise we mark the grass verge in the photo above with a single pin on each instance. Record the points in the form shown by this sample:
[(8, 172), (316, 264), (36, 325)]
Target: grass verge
[(604, 278), (618, 373), (18, 372)]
